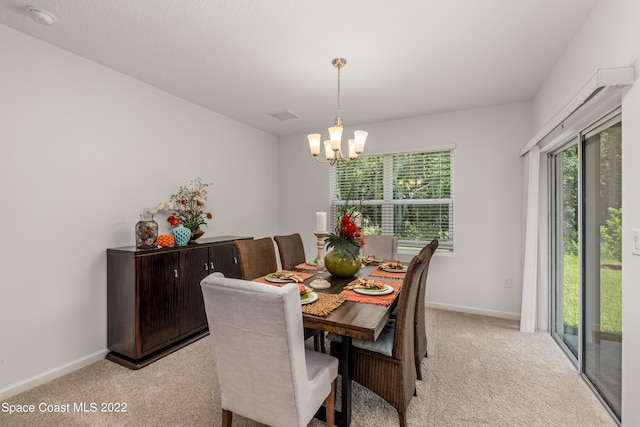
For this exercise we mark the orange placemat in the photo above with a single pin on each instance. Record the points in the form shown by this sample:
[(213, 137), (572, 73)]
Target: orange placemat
[(373, 299), (305, 266), (324, 305), (377, 272), (262, 279)]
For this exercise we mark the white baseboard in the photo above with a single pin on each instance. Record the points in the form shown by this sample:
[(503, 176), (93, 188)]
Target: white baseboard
[(471, 310), (32, 382)]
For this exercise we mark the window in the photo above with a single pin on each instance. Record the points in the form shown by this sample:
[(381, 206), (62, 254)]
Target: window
[(408, 195)]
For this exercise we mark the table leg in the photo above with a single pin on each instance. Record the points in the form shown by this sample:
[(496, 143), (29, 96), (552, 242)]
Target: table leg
[(345, 372)]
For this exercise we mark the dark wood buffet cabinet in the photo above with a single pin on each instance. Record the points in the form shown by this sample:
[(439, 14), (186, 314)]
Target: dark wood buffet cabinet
[(154, 300)]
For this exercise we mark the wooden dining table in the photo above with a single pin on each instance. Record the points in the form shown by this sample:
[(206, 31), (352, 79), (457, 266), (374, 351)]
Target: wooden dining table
[(350, 320)]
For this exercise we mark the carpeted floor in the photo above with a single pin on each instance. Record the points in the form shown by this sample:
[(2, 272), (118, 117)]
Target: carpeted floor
[(481, 371)]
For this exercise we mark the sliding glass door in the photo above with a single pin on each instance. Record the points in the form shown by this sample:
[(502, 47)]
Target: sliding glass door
[(565, 247), (586, 255), (602, 355)]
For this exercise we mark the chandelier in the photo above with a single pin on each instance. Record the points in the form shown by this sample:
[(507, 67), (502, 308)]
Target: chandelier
[(333, 145)]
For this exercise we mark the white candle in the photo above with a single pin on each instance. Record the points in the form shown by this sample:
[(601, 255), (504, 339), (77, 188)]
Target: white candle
[(321, 221)]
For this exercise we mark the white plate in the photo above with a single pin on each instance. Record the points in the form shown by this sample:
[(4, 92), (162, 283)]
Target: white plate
[(384, 291), (308, 298), (270, 278)]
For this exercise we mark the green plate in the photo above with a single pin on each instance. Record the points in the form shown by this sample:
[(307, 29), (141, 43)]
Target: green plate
[(274, 279), (384, 291), (309, 297), (395, 270)]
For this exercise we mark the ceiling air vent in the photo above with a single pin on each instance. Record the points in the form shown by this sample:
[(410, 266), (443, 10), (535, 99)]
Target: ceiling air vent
[(284, 115)]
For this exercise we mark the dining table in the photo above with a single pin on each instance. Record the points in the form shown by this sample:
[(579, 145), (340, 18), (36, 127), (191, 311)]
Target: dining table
[(350, 320)]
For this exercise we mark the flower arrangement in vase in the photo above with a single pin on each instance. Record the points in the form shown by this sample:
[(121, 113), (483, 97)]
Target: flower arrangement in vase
[(188, 207), (344, 258)]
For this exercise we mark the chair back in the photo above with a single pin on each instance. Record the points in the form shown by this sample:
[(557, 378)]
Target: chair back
[(256, 330), (382, 247), (256, 257), (420, 327), (291, 250), (403, 345)]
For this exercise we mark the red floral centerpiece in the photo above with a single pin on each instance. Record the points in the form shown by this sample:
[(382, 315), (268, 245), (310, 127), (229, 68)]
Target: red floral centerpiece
[(344, 258)]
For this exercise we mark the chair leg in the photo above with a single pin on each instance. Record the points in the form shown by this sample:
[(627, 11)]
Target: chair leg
[(318, 342), (402, 419), (227, 418), (419, 370), (329, 404)]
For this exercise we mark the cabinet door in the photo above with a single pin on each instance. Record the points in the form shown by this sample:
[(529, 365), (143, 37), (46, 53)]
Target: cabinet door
[(157, 299), (194, 266), (225, 260)]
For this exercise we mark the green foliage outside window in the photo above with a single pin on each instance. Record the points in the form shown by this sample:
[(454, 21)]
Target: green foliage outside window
[(408, 195)]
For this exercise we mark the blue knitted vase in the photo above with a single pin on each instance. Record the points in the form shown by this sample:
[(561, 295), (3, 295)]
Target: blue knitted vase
[(181, 235)]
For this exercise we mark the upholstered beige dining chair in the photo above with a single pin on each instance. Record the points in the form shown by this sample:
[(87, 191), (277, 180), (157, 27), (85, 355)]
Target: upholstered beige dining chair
[(382, 247), (386, 366), (265, 373)]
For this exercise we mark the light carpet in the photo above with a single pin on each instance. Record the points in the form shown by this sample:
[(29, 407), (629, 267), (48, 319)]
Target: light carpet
[(481, 371)]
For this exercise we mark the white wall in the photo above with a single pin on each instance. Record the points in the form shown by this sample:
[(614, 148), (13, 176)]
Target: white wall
[(84, 150), (487, 199), (610, 38)]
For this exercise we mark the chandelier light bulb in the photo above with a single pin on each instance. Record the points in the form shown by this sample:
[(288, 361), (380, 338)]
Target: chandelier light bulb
[(361, 139), (314, 143), (352, 149), (328, 151), (335, 134)]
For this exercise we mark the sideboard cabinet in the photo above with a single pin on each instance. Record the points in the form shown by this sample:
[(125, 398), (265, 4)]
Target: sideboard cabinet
[(154, 300)]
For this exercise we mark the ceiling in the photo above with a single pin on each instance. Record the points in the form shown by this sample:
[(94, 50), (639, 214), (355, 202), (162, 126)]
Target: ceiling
[(247, 58)]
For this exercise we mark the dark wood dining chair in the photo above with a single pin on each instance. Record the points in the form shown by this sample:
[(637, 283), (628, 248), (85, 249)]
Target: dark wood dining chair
[(291, 251), (386, 366), (256, 257), (420, 330)]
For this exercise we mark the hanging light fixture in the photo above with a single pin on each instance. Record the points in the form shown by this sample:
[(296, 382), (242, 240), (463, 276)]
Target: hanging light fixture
[(333, 145)]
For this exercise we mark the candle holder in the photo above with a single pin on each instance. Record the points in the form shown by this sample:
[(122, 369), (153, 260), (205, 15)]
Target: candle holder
[(319, 282)]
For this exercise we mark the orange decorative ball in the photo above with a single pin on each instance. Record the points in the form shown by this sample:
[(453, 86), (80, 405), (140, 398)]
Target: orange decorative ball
[(165, 240)]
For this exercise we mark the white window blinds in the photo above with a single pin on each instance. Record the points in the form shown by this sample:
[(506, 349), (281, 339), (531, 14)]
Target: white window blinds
[(408, 195)]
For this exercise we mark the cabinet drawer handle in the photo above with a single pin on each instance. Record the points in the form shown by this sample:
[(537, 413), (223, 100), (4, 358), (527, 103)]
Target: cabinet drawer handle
[(211, 263), (175, 273), (235, 260), (206, 267)]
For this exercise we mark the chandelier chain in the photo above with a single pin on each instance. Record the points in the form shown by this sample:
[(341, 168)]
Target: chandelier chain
[(339, 109)]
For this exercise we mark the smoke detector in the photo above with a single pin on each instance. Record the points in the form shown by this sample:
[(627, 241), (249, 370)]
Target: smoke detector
[(41, 16)]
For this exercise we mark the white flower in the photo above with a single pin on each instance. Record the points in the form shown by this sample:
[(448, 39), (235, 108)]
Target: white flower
[(158, 207)]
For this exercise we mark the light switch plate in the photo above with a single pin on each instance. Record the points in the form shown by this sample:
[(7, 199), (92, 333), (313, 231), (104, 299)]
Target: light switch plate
[(636, 241)]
